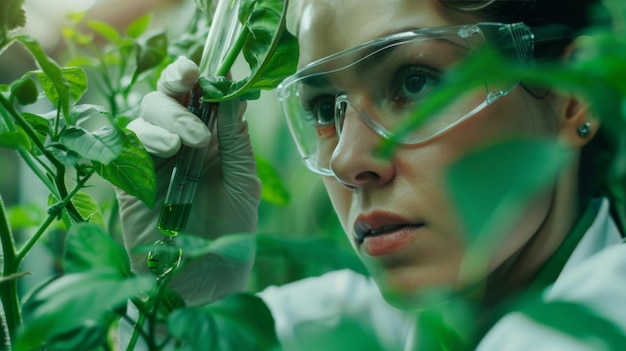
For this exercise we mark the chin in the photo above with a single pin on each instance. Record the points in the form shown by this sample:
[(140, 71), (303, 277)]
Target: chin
[(410, 288)]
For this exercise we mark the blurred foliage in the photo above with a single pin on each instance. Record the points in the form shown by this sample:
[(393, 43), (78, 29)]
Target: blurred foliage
[(62, 311)]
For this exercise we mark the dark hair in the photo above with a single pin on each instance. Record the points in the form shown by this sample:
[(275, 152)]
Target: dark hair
[(572, 13)]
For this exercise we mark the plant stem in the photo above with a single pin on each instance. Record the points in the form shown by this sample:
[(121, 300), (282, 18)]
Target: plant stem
[(21, 254), (8, 293), (234, 51), (149, 307), (138, 329)]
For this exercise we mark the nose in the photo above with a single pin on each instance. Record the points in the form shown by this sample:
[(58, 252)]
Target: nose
[(354, 161)]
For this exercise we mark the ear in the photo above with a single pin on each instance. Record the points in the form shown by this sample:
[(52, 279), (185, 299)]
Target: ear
[(577, 127)]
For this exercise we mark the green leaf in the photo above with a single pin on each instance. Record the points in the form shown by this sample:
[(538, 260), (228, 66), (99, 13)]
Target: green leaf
[(15, 139), (139, 26), (579, 322), (24, 91), (237, 247), (270, 50), (203, 5), (88, 208), (39, 124), (106, 30), (97, 114), (73, 299), (74, 36), (88, 336), (52, 70), (490, 199), (274, 190), (103, 145), (66, 157), (322, 255), (82, 61), (88, 247), (237, 322), (26, 216), (132, 171), (12, 16), (76, 80), (151, 52)]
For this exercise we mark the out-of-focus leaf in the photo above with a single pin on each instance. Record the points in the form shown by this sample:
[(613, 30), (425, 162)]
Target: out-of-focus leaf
[(323, 254), (89, 336), (344, 333), (14, 139), (151, 52), (139, 26), (490, 199), (579, 322), (12, 16), (203, 5), (24, 91), (132, 171), (73, 299), (88, 248), (105, 30), (274, 190), (73, 35), (237, 247), (26, 216), (102, 145), (237, 322), (447, 323)]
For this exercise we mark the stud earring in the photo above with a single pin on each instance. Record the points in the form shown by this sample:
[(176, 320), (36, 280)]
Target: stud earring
[(584, 130)]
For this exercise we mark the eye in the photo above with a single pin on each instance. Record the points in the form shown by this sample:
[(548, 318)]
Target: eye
[(322, 109), (412, 83)]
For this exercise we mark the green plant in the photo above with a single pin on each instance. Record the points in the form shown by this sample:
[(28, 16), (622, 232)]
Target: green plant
[(81, 307)]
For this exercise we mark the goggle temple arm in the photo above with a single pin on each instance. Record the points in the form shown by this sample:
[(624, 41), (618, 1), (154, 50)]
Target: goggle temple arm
[(551, 41)]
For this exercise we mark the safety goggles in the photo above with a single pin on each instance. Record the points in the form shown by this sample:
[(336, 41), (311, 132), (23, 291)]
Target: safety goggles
[(384, 80)]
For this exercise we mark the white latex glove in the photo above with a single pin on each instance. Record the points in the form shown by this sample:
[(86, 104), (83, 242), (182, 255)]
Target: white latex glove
[(228, 193)]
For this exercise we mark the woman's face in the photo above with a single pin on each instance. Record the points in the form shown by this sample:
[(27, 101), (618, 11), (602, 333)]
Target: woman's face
[(421, 242)]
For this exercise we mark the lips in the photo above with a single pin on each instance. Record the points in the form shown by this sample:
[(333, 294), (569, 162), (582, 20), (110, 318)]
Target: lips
[(381, 233)]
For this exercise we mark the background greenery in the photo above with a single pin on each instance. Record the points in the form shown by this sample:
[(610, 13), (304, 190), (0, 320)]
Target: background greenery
[(299, 234)]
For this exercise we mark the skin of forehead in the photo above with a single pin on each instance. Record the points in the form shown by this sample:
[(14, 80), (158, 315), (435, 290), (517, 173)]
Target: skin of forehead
[(325, 27)]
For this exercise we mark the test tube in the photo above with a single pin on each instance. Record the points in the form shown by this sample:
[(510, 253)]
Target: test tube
[(190, 161)]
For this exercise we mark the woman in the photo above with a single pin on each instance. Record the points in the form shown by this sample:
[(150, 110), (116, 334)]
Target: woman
[(397, 212)]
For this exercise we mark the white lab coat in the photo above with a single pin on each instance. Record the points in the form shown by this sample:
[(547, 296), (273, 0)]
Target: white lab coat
[(595, 275)]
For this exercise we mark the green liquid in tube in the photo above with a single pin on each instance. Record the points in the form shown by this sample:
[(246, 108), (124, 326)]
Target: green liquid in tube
[(174, 218), (186, 174)]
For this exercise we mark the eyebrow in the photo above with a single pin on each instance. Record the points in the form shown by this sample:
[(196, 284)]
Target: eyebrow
[(378, 53), (376, 48), (316, 81), (382, 50)]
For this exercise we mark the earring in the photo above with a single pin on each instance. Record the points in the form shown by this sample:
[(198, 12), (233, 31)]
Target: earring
[(584, 130)]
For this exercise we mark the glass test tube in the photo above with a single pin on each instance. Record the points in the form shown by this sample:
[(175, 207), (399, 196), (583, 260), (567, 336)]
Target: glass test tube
[(190, 162)]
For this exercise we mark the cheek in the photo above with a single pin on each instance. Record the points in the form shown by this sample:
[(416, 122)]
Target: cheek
[(341, 198)]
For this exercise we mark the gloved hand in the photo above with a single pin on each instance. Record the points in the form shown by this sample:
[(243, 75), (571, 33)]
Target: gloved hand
[(228, 193)]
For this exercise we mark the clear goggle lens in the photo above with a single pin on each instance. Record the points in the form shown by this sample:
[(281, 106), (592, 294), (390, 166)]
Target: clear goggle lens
[(383, 82)]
